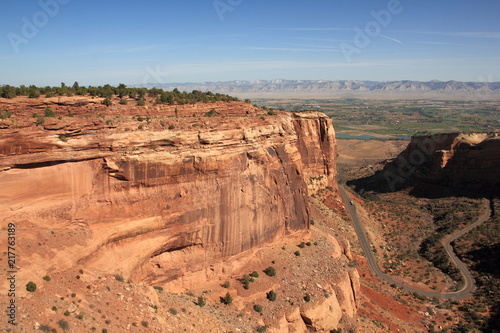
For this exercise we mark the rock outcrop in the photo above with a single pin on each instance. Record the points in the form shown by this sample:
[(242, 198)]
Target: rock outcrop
[(160, 206), (463, 160)]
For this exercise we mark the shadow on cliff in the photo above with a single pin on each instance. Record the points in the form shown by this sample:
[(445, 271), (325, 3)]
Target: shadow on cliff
[(394, 179)]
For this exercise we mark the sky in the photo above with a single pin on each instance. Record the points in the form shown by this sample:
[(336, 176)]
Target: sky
[(47, 42)]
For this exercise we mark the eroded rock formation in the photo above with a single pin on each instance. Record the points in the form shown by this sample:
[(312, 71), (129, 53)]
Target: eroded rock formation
[(463, 160), (159, 205)]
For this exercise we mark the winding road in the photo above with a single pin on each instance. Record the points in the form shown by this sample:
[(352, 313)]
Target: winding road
[(469, 285)]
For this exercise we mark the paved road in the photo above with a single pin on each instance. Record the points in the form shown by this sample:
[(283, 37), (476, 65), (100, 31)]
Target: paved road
[(463, 293)]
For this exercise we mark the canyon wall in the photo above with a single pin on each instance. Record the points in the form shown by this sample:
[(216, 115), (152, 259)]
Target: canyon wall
[(464, 160), (159, 205)]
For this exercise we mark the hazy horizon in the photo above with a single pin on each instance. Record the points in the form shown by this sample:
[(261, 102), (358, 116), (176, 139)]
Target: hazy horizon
[(47, 42)]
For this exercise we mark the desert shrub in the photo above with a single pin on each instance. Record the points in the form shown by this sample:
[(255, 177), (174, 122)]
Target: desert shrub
[(271, 296), (302, 245), (254, 274), (227, 299), (270, 271), (211, 113), (63, 324), (67, 313), (46, 278), (118, 277), (158, 288), (307, 298), (107, 102), (123, 101), (171, 127), (54, 308), (49, 113), (297, 253), (226, 284), (144, 323), (257, 308), (31, 286), (141, 102), (172, 311)]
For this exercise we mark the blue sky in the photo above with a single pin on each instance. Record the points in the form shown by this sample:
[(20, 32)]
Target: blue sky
[(96, 42)]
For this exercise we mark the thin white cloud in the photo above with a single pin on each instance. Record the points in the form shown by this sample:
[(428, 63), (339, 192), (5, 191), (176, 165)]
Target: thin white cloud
[(317, 29), (434, 43), (390, 38), (310, 46), (289, 49)]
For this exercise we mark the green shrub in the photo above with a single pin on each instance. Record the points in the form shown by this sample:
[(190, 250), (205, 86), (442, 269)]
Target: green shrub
[(257, 308), (141, 102), (171, 127), (158, 288), (227, 299), (307, 298), (297, 253), (302, 245), (123, 101), (46, 278), (254, 274), (54, 308), (211, 113), (270, 271), (118, 277), (31, 286), (49, 113), (226, 284), (67, 313), (144, 323), (271, 296)]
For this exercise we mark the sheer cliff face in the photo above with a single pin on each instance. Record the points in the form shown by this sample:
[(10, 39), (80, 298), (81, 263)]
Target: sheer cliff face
[(463, 160), (159, 206)]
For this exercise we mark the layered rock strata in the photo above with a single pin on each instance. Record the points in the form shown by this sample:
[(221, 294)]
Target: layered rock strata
[(157, 205)]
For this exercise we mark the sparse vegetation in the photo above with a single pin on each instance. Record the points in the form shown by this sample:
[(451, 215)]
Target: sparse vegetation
[(270, 271), (46, 278), (257, 308), (118, 277), (227, 299), (271, 295), (31, 286)]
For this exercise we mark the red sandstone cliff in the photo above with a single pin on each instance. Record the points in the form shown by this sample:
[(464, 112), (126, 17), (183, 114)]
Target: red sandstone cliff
[(464, 160), (153, 204)]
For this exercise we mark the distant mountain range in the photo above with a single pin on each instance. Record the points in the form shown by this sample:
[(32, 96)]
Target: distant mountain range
[(346, 89)]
